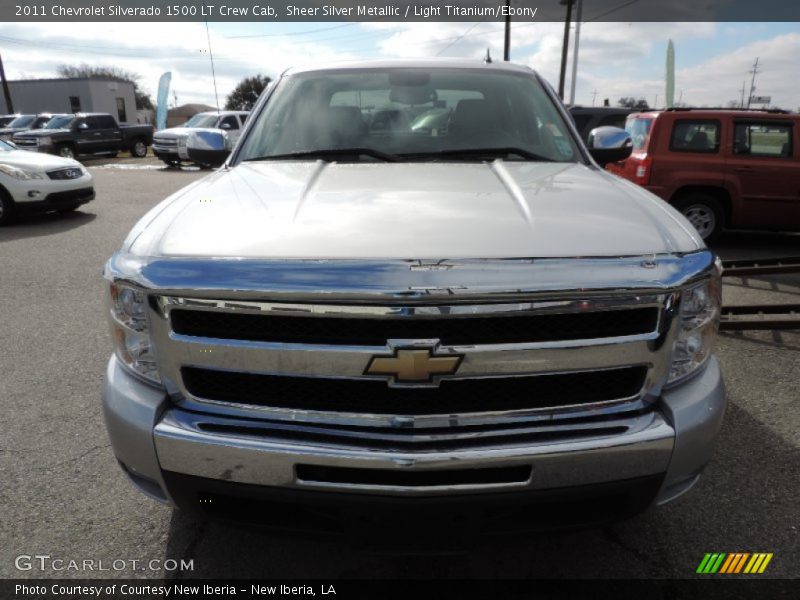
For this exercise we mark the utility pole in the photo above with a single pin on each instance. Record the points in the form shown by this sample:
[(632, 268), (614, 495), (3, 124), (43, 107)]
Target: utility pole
[(754, 71), (564, 48), (594, 96), (573, 84), (507, 48), (655, 103), (6, 91), (741, 104)]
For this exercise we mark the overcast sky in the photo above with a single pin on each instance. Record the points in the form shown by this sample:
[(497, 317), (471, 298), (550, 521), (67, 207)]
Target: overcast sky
[(616, 59)]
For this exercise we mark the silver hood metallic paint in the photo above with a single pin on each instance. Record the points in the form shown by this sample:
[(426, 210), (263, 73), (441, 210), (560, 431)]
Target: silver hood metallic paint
[(318, 210)]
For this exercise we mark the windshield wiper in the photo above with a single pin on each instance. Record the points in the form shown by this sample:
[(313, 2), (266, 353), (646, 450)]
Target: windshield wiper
[(330, 153), (477, 152)]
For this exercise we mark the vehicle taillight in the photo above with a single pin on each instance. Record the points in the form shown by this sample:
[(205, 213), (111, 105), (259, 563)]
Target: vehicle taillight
[(643, 171)]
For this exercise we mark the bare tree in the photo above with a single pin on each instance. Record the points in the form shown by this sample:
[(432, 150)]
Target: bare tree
[(143, 99)]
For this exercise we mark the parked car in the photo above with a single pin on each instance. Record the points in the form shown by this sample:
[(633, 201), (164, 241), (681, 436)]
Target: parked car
[(587, 118), (167, 142), (6, 119), (31, 182), (26, 123), (720, 168), (70, 136), (359, 320)]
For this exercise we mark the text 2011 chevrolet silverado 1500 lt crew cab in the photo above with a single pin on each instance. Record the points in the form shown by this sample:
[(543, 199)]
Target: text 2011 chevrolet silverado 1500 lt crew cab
[(468, 315)]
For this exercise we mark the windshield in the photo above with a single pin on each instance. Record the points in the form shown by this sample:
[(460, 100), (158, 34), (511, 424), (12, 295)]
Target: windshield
[(639, 130), (60, 122), (201, 120), (4, 147), (23, 121), (411, 114), (40, 122)]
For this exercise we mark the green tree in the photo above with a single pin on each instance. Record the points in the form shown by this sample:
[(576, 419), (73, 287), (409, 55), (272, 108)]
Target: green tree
[(143, 99), (246, 92)]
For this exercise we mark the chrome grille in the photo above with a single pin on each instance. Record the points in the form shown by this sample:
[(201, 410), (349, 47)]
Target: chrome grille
[(219, 359), (24, 142), (68, 173), (165, 142)]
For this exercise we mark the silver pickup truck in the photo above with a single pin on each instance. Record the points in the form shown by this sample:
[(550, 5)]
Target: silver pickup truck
[(467, 316), (168, 143)]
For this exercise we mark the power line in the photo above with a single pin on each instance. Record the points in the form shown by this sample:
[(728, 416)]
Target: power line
[(290, 33), (613, 10), (460, 37)]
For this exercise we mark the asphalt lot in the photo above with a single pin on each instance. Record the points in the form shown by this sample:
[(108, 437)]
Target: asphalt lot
[(63, 494)]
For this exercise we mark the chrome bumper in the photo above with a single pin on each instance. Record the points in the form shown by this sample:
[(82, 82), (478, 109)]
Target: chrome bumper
[(150, 436)]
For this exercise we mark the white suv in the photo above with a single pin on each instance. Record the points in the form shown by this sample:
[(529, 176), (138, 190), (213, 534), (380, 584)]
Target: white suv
[(33, 182)]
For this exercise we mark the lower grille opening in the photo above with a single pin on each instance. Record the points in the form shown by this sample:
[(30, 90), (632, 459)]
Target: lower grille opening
[(388, 522), (400, 478), (454, 396)]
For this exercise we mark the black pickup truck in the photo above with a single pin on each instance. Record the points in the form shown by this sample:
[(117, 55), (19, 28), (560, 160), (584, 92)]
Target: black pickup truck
[(86, 133)]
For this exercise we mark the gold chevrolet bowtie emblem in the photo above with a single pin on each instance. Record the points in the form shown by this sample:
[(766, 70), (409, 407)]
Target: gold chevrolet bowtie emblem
[(413, 366)]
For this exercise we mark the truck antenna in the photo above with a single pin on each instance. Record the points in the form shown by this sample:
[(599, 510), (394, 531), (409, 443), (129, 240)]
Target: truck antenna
[(213, 74)]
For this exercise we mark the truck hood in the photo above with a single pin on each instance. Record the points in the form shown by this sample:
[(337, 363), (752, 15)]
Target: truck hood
[(172, 133), (43, 132), (36, 161), (426, 210)]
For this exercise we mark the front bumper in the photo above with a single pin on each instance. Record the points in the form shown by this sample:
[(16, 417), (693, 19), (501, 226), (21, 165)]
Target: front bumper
[(166, 153), (59, 200), (159, 446)]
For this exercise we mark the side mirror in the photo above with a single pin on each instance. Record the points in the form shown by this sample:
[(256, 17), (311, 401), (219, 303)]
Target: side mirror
[(83, 126), (609, 144), (208, 148), (225, 126)]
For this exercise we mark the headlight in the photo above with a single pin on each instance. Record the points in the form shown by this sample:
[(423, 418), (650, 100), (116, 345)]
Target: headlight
[(699, 321), (128, 307), (18, 173)]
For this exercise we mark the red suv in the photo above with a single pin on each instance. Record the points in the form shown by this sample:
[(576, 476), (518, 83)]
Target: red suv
[(721, 168)]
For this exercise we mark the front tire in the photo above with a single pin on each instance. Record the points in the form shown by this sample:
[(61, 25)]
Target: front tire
[(6, 208), (65, 151), (705, 213), (139, 149)]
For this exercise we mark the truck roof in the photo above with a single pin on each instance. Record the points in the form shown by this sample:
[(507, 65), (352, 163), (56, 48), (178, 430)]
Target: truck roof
[(421, 63)]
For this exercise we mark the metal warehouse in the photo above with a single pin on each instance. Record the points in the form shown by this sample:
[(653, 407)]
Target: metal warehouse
[(70, 95)]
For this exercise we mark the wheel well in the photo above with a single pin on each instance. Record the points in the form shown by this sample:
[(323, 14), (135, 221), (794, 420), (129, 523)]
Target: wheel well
[(719, 194), (5, 193)]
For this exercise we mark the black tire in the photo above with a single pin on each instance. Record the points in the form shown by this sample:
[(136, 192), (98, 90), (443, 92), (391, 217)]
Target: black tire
[(705, 213), (139, 149), (7, 212), (65, 151)]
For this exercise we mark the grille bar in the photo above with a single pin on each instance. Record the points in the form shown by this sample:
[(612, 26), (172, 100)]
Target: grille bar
[(453, 331), (454, 396)]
